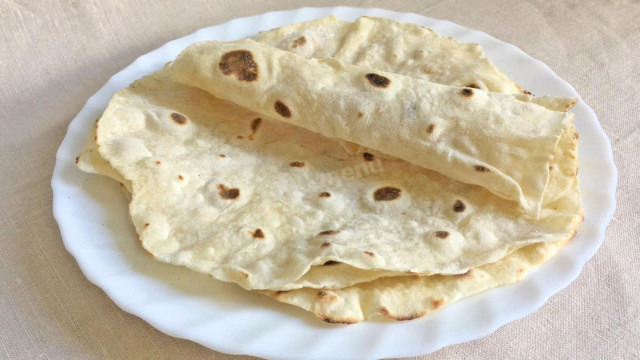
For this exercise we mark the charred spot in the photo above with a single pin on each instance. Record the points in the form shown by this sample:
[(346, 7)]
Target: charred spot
[(222, 156), (322, 294), (331, 262), (178, 118), (386, 313), (180, 177), (258, 234), (255, 124), (481, 168), (228, 193), (324, 194), (296, 164), (430, 128), (437, 303), (282, 109), (370, 253), (466, 92), (360, 114), (378, 80), (441, 234), (158, 162), (459, 206), (527, 92), (550, 167), (329, 232), (368, 156), (239, 63), (325, 244), (280, 292), (146, 226), (240, 137), (336, 321), (386, 193), (473, 86), (77, 158), (298, 42)]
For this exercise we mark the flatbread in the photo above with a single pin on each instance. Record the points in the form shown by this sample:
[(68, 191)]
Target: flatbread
[(193, 207), (477, 137)]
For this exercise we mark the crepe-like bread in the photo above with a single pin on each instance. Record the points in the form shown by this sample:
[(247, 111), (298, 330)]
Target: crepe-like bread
[(394, 297), (245, 200), (483, 138)]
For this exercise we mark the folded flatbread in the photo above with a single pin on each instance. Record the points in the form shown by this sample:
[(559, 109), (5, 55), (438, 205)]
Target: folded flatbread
[(158, 128), (477, 137)]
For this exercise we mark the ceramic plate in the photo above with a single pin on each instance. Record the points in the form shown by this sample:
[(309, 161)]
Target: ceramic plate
[(92, 215)]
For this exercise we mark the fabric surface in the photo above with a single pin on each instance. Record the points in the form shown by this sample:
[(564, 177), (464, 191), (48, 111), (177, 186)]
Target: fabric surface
[(55, 54)]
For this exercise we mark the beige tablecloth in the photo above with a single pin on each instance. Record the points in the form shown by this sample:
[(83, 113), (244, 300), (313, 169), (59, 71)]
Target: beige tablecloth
[(55, 54)]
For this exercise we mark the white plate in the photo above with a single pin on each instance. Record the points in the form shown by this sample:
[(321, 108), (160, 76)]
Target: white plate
[(93, 220)]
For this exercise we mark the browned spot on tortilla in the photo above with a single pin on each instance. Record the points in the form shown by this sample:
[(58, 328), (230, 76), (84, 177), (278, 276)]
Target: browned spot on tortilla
[(527, 92), (95, 138), (331, 320), (370, 253), (239, 63), (368, 156), (246, 275), (386, 193), (282, 109), (77, 158), (258, 234), (180, 177), (158, 162), (222, 155), (550, 167), (430, 128), (378, 80), (298, 42), (441, 234), (146, 226), (322, 294), (228, 193), (331, 262), (437, 303), (250, 137), (481, 168), (255, 124), (459, 206), (329, 232), (178, 118), (324, 194), (325, 244), (386, 313), (296, 164), (360, 114), (466, 92), (279, 292), (474, 86), (239, 137)]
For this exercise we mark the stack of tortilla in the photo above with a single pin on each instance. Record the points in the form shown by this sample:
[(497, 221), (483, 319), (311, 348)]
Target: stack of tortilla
[(351, 169)]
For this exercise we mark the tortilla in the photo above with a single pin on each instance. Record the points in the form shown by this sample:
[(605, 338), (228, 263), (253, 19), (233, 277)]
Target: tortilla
[(156, 98), (206, 176), (483, 138)]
